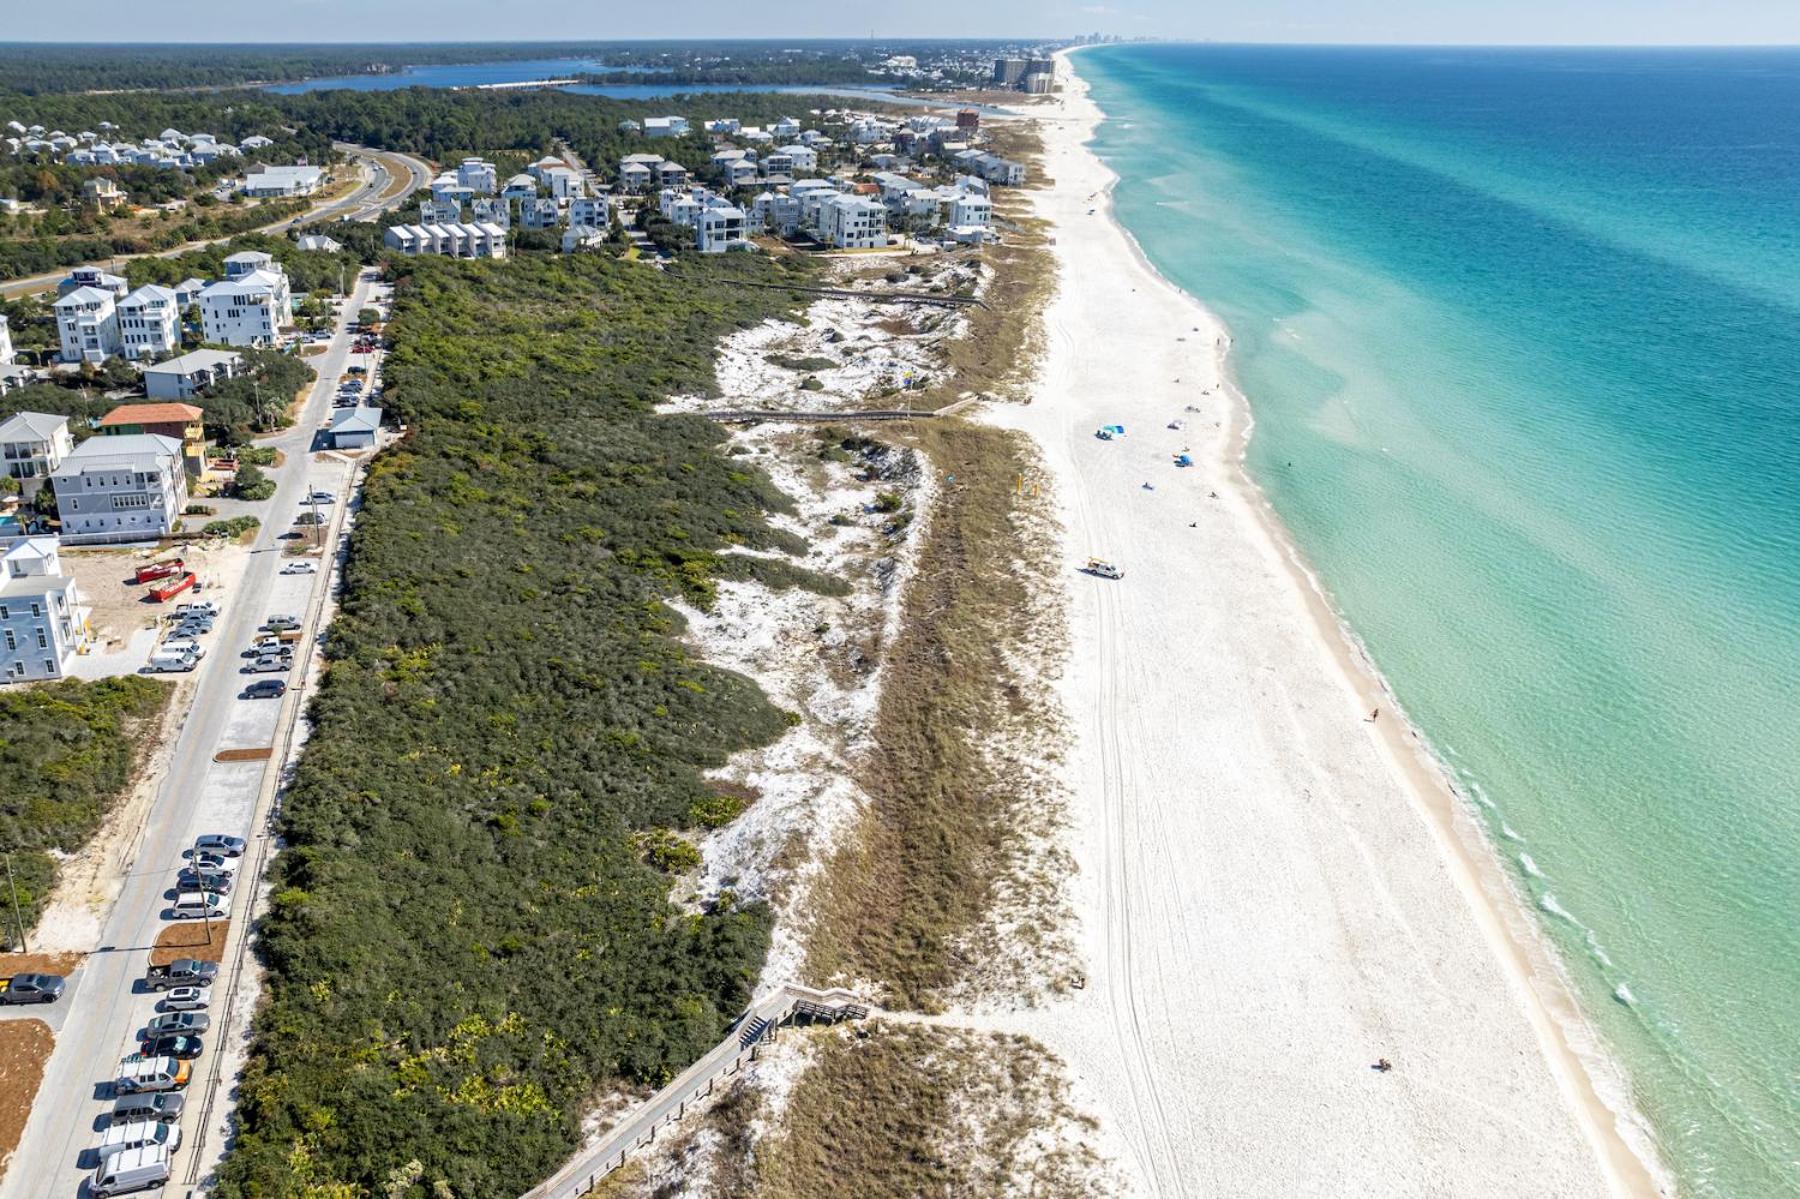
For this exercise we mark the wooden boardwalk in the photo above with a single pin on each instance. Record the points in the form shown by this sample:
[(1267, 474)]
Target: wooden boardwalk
[(670, 1104)]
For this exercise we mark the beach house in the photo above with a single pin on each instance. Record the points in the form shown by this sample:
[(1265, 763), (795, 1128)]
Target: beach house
[(149, 322), (87, 323), (42, 618), (181, 378), (852, 222), (177, 422), (33, 444), (125, 488), (247, 309)]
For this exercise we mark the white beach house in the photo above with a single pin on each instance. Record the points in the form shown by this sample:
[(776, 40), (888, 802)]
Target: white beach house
[(149, 322), (87, 322), (42, 618)]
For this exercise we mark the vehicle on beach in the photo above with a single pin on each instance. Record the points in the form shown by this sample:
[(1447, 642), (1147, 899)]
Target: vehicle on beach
[(31, 988), (1102, 569), (184, 973), (1108, 432)]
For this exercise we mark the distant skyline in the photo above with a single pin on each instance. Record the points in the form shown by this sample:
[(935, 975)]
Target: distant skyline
[(1481, 22)]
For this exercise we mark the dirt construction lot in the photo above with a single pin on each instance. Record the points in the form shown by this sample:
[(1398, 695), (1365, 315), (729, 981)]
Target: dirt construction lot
[(24, 1048)]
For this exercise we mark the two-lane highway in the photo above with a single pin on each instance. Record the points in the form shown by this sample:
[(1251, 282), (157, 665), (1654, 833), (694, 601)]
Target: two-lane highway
[(389, 178), (103, 1008)]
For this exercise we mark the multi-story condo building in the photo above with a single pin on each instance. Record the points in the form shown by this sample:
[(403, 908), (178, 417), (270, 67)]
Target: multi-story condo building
[(128, 488), (6, 349), (33, 444), (852, 222), (481, 177), (149, 322), (87, 321), (589, 210), (42, 618), (247, 309), (720, 227)]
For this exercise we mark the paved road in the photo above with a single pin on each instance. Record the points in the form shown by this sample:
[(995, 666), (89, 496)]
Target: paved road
[(388, 179), (103, 1009)]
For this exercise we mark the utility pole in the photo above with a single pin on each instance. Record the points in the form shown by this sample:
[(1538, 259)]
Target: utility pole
[(24, 945)]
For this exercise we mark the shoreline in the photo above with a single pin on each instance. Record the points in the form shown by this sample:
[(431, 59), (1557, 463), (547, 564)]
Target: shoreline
[(1621, 1148)]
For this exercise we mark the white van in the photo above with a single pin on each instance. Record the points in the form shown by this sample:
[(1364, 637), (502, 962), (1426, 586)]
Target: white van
[(131, 1170), (139, 1134), (183, 645), (139, 1075), (192, 905), (167, 663)]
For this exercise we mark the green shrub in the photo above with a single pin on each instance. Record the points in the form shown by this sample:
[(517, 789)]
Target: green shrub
[(252, 484), (66, 750), (474, 943), (236, 526)]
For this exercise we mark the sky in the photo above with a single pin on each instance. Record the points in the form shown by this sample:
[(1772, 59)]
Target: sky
[(1676, 22)]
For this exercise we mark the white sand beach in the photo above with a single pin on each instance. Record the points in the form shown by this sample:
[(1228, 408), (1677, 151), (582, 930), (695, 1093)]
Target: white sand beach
[(1275, 891)]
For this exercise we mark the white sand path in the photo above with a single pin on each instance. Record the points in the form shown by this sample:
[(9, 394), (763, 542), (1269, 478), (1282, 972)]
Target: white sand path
[(1275, 892)]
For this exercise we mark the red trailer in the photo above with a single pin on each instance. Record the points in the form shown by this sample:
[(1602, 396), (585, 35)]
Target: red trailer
[(173, 587), (158, 570)]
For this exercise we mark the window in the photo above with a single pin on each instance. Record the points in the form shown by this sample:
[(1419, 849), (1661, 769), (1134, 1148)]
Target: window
[(12, 639), (37, 609), (43, 637), (49, 665)]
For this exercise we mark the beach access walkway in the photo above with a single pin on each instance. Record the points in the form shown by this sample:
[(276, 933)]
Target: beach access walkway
[(785, 1003)]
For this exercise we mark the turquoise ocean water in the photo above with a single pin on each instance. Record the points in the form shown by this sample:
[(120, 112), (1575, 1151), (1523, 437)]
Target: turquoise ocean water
[(1520, 330)]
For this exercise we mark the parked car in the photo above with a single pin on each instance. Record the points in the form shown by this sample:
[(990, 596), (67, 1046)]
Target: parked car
[(302, 567), (177, 1022), (265, 689), (185, 999), (139, 1074), (220, 843), (204, 880), (311, 518), (170, 663), (185, 646), (31, 988), (319, 497), (276, 623), (180, 1046), (270, 664), (203, 606), (182, 973), (133, 1170), (136, 1134), (195, 905), (187, 632), (213, 860), (165, 1106)]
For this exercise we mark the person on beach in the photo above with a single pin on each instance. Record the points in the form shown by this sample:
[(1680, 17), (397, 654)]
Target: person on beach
[(1373, 715)]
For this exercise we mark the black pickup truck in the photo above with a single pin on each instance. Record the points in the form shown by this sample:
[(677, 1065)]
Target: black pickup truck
[(182, 972)]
